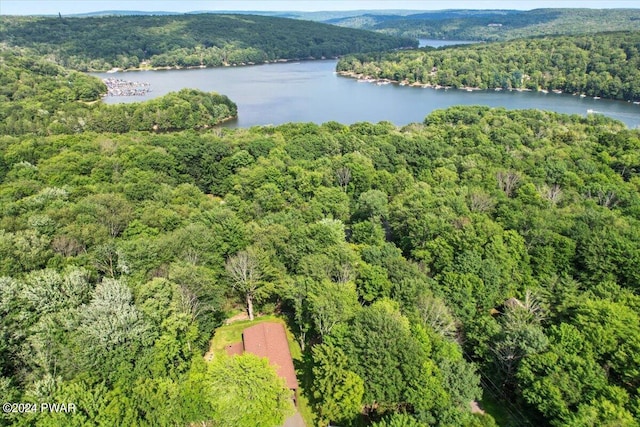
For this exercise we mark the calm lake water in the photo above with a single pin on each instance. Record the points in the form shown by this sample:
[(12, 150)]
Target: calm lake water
[(310, 91)]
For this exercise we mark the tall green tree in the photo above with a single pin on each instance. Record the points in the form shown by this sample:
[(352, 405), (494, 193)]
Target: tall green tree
[(245, 391), (387, 357), (337, 391)]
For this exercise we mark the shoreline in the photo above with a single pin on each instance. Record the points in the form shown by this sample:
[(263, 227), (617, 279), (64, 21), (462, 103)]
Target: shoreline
[(196, 67), (383, 81), (225, 120)]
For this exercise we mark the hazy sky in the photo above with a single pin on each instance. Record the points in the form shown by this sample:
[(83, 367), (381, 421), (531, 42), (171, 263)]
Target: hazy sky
[(28, 7)]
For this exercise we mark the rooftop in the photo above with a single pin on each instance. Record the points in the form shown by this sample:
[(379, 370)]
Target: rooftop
[(270, 340)]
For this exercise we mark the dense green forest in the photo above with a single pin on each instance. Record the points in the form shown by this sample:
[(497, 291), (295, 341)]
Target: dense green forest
[(40, 97), (462, 24), (604, 65), (100, 43), (495, 25), (484, 247)]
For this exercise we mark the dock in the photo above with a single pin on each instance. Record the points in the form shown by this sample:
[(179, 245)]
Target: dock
[(119, 87)]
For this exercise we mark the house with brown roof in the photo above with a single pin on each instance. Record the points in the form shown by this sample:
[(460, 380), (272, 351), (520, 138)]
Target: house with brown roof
[(269, 340)]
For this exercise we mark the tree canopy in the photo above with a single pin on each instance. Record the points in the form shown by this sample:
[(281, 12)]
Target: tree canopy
[(42, 98), (483, 244), (603, 65), (495, 25), (100, 43), (481, 254)]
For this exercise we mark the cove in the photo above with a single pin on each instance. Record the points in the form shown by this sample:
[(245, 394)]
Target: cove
[(311, 91)]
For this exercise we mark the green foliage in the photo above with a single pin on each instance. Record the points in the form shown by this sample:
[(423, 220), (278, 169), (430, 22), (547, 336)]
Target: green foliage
[(246, 391), (59, 101), (337, 390), (513, 232), (568, 377), (185, 109), (495, 25), (100, 43), (398, 420), (331, 304), (112, 330), (394, 363), (603, 65)]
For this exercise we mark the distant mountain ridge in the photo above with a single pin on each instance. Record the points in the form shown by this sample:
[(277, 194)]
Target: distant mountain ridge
[(456, 24), (322, 16), (119, 13), (496, 25)]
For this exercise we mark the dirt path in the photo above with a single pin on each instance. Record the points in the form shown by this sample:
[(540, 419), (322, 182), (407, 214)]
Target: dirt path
[(238, 317), (294, 421)]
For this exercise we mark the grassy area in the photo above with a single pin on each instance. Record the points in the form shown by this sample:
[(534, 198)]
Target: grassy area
[(230, 334)]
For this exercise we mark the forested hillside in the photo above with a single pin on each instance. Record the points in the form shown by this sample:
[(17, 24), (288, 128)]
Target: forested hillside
[(40, 97), (496, 25), (481, 248), (100, 43), (604, 65)]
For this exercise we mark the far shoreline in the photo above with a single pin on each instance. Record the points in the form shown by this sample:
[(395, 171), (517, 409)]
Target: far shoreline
[(198, 67), (383, 81)]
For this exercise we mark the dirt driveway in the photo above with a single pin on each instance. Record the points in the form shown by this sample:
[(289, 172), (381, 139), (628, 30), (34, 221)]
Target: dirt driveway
[(294, 420)]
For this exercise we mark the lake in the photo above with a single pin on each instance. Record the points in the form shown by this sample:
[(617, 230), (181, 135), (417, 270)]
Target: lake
[(311, 91)]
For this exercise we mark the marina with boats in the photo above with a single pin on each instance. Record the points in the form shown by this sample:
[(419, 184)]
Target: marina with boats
[(120, 87)]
